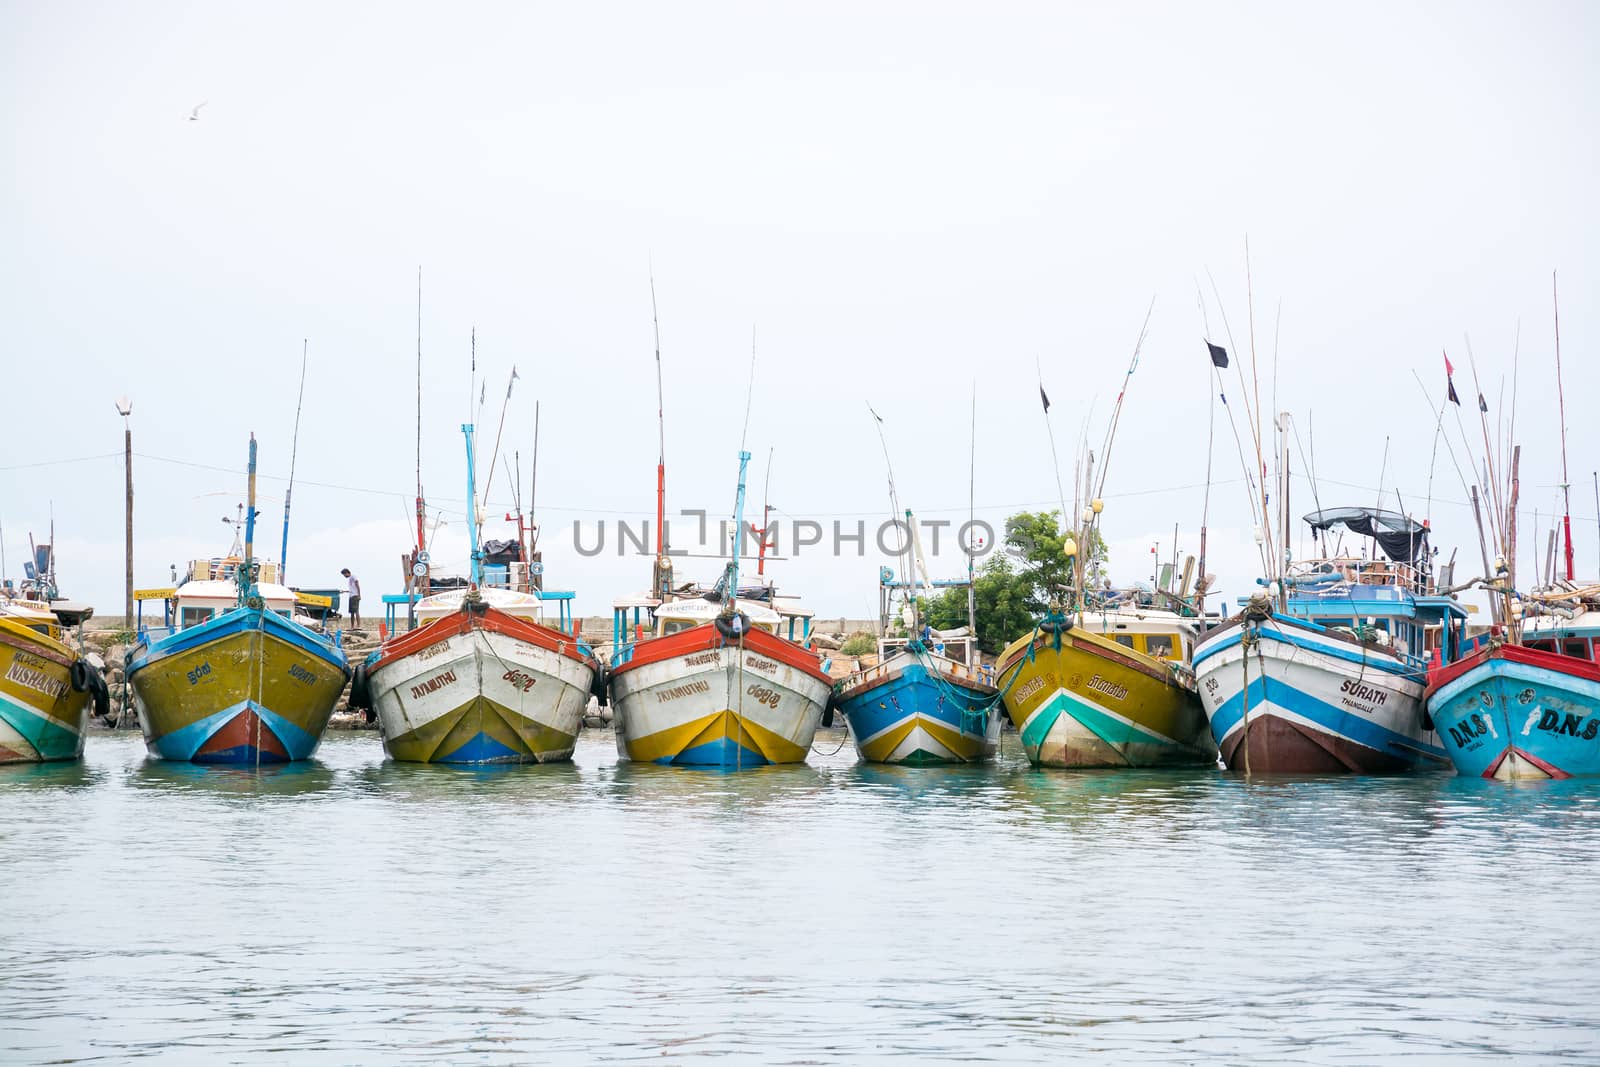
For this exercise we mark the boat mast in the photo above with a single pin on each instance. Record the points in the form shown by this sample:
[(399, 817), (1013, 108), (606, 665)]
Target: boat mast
[(472, 510), (732, 602), (294, 451), (476, 572), (242, 576), (766, 517), (972, 512), (1566, 486), (533, 488), (661, 578), (1283, 510)]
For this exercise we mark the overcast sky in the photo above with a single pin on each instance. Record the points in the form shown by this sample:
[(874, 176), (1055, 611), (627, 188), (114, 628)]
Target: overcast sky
[(899, 199)]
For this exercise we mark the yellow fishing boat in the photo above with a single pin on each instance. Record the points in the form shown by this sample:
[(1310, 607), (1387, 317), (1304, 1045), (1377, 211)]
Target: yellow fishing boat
[(1107, 689), (46, 688)]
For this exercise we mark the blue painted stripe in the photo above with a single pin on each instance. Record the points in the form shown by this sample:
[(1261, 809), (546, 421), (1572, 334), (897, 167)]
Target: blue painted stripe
[(1337, 649), (916, 691), (723, 752), (481, 748), (240, 620), (1475, 749), (1324, 716), (183, 743)]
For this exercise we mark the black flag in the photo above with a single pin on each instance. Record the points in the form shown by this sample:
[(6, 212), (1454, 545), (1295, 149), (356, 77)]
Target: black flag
[(1450, 393), (1219, 355), (1482, 406), (1045, 398)]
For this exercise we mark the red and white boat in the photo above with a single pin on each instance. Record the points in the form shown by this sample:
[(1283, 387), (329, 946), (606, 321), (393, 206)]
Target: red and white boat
[(718, 686), (480, 681)]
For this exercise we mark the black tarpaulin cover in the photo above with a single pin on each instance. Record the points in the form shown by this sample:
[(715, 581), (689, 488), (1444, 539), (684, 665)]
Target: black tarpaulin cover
[(1402, 539)]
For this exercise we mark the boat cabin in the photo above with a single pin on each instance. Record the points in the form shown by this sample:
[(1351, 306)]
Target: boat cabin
[(33, 614), (640, 618), (211, 589)]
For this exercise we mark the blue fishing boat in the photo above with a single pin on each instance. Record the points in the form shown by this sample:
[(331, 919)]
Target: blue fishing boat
[(234, 678), (927, 699), (1328, 675), (1512, 708)]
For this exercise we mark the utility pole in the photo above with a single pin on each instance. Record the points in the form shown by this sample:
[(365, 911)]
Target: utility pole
[(125, 408)]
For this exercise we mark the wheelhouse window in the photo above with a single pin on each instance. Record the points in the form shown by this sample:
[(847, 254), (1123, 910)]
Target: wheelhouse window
[(195, 616), (1579, 648), (1125, 640), (1158, 646), (1541, 646)]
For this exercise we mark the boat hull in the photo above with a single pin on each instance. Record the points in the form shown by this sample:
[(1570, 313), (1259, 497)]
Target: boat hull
[(248, 686), (1516, 713), (1314, 703), (1085, 701), (481, 687), (42, 717), (696, 698), (911, 712)]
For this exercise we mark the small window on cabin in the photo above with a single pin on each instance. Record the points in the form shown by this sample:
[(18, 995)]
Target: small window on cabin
[(1541, 646), (672, 626), (1125, 640), (1158, 646), (1575, 648), (195, 616)]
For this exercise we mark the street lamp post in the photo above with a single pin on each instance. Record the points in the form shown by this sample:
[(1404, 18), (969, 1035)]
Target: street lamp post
[(125, 408)]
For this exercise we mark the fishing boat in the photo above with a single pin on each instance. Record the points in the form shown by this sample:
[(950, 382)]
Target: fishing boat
[(716, 677), (1103, 678), (1325, 672), (1523, 701), (481, 679), (234, 678), (1108, 686), (926, 701), (1530, 709), (46, 688), (716, 683)]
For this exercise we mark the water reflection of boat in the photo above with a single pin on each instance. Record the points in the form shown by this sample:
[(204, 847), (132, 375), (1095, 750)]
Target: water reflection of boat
[(73, 774), (409, 782), (268, 779)]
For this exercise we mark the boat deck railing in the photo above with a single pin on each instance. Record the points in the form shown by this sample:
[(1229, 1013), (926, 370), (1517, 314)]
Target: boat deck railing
[(1352, 570), (952, 668)]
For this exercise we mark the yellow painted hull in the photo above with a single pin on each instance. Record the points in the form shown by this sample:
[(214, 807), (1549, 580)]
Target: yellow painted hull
[(1093, 703), (250, 692), (42, 717)]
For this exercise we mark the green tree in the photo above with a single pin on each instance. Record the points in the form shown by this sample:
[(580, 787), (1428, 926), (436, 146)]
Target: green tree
[(1001, 601), (1038, 543), (1015, 586)]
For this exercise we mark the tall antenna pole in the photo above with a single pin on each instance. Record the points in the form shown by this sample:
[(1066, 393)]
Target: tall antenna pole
[(766, 516), (1566, 487), (662, 577), (422, 539), (972, 514), (294, 451), (533, 488), (495, 454)]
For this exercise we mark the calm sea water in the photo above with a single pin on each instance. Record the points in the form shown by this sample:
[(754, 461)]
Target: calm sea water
[(355, 910)]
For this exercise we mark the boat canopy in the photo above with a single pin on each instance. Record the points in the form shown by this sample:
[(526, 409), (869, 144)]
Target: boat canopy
[(521, 605), (1402, 539), (696, 611)]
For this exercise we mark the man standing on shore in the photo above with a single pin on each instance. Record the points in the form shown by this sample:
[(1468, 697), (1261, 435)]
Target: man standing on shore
[(354, 595)]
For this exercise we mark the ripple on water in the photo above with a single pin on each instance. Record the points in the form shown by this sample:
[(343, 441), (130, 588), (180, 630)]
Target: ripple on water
[(351, 909)]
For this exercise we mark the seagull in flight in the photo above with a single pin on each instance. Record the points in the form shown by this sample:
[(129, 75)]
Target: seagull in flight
[(194, 116)]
